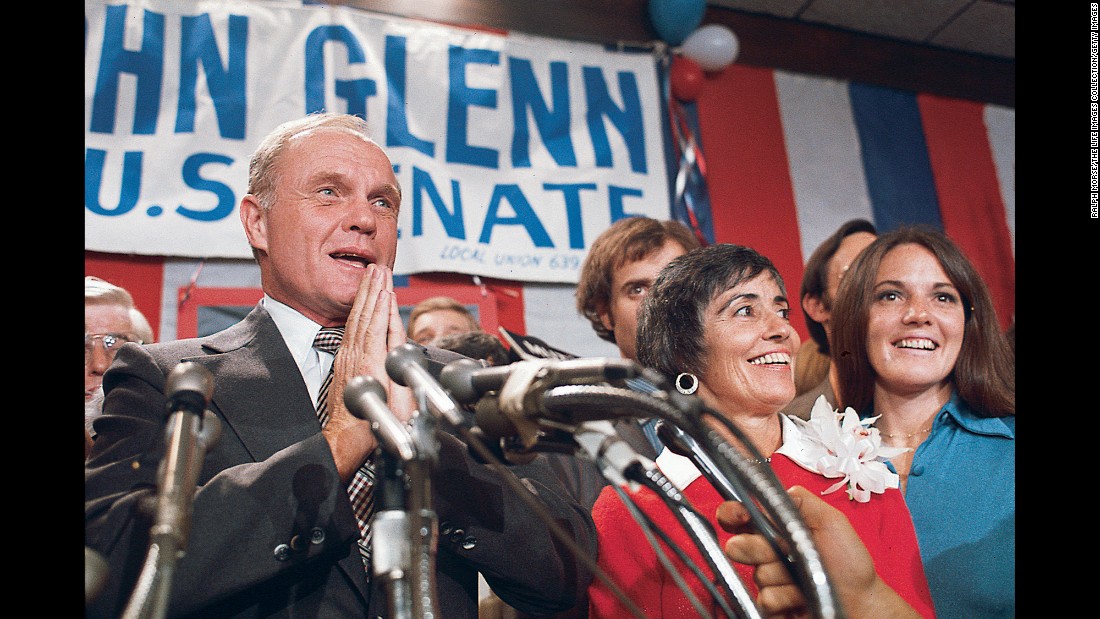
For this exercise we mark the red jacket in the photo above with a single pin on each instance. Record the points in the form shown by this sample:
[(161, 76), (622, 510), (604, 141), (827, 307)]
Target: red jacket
[(883, 523)]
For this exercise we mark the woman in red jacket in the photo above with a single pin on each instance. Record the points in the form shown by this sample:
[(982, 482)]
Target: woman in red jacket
[(716, 319)]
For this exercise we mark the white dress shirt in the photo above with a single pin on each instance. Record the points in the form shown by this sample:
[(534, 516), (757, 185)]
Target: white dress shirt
[(298, 332)]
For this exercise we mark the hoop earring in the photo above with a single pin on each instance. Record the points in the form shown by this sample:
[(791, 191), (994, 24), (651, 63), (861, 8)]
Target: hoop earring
[(690, 389)]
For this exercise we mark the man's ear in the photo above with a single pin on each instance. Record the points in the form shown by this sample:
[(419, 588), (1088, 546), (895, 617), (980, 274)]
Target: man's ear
[(605, 319), (254, 221), (815, 308)]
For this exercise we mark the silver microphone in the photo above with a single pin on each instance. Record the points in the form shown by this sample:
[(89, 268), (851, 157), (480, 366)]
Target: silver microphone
[(408, 366), (366, 399)]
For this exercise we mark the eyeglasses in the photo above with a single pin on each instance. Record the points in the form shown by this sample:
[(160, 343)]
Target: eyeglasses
[(108, 341)]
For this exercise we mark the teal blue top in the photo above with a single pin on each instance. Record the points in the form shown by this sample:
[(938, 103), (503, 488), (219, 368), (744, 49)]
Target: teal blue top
[(962, 495)]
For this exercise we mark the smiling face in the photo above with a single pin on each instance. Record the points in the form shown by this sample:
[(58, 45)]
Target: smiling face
[(335, 211), (629, 284), (916, 322), (749, 343)]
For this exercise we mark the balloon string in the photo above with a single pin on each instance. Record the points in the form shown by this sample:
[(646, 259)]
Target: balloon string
[(690, 156), (685, 140)]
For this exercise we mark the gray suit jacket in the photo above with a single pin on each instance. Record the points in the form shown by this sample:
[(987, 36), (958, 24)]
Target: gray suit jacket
[(272, 530)]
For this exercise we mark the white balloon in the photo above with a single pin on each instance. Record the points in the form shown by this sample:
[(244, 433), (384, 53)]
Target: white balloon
[(713, 46)]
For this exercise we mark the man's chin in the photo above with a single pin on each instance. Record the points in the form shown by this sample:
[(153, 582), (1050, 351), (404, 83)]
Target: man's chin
[(343, 285)]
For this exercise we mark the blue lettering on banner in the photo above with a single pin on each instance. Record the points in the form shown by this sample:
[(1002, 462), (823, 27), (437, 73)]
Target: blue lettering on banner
[(525, 216), (146, 65), (524, 261), (94, 159), (565, 261), (226, 85), (451, 220), (425, 192), (193, 179), (553, 125), (627, 120), (354, 92), (462, 97), (213, 81), (397, 125), (573, 216), (462, 254), (559, 262), (615, 198)]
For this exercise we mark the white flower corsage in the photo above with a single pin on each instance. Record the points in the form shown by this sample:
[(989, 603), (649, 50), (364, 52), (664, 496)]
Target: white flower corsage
[(836, 444)]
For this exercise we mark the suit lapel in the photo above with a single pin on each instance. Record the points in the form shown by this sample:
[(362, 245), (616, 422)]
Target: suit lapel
[(259, 389), (261, 396)]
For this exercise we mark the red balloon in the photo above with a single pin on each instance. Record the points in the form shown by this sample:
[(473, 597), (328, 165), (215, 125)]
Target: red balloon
[(687, 78)]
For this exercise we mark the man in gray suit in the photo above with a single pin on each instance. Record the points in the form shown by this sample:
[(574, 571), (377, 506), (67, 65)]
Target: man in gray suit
[(273, 531)]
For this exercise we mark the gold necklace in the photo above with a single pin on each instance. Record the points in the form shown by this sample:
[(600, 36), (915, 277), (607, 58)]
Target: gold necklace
[(910, 435)]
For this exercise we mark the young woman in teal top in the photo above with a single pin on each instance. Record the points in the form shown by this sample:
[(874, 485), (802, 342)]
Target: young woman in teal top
[(917, 342)]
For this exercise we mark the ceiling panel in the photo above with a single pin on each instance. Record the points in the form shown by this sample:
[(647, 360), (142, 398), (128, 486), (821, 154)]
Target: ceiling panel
[(986, 27)]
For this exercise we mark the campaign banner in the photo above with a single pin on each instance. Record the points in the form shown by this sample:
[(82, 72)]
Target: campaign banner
[(513, 151)]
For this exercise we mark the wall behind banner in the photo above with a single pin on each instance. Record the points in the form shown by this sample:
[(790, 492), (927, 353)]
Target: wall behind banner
[(546, 310)]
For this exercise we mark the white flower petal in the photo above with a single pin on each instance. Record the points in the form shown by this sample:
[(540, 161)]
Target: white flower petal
[(841, 445), (859, 495), (821, 408), (835, 487), (850, 420)]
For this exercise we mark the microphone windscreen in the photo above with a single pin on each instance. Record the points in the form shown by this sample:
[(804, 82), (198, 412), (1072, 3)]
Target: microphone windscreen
[(493, 422)]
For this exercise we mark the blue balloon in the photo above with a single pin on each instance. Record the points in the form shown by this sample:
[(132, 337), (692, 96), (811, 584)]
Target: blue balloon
[(674, 20)]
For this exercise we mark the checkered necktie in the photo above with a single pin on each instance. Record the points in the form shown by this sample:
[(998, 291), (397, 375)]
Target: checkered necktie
[(361, 488)]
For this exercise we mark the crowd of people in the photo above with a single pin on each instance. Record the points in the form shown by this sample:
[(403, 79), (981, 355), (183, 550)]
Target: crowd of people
[(717, 319), (906, 356)]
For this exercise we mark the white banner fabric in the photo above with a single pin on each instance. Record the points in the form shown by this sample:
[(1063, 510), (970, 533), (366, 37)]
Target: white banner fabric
[(513, 151)]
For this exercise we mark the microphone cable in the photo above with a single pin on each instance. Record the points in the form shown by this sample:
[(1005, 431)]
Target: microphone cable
[(406, 364), (574, 400), (704, 536), (650, 529), (759, 481), (555, 529)]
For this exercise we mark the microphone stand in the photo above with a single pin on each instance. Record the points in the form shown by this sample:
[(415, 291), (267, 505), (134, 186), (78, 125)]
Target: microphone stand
[(620, 463), (406, 365), (404, 536), (703, 535), (391, 554), (424, 529), (759, 483), (731, 489), (190, 431)]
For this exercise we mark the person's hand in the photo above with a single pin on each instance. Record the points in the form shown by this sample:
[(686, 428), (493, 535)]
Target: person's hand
[(858, 587), (373, 329)]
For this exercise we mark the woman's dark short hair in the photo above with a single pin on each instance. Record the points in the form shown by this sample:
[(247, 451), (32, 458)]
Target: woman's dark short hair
[(672, 318)]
